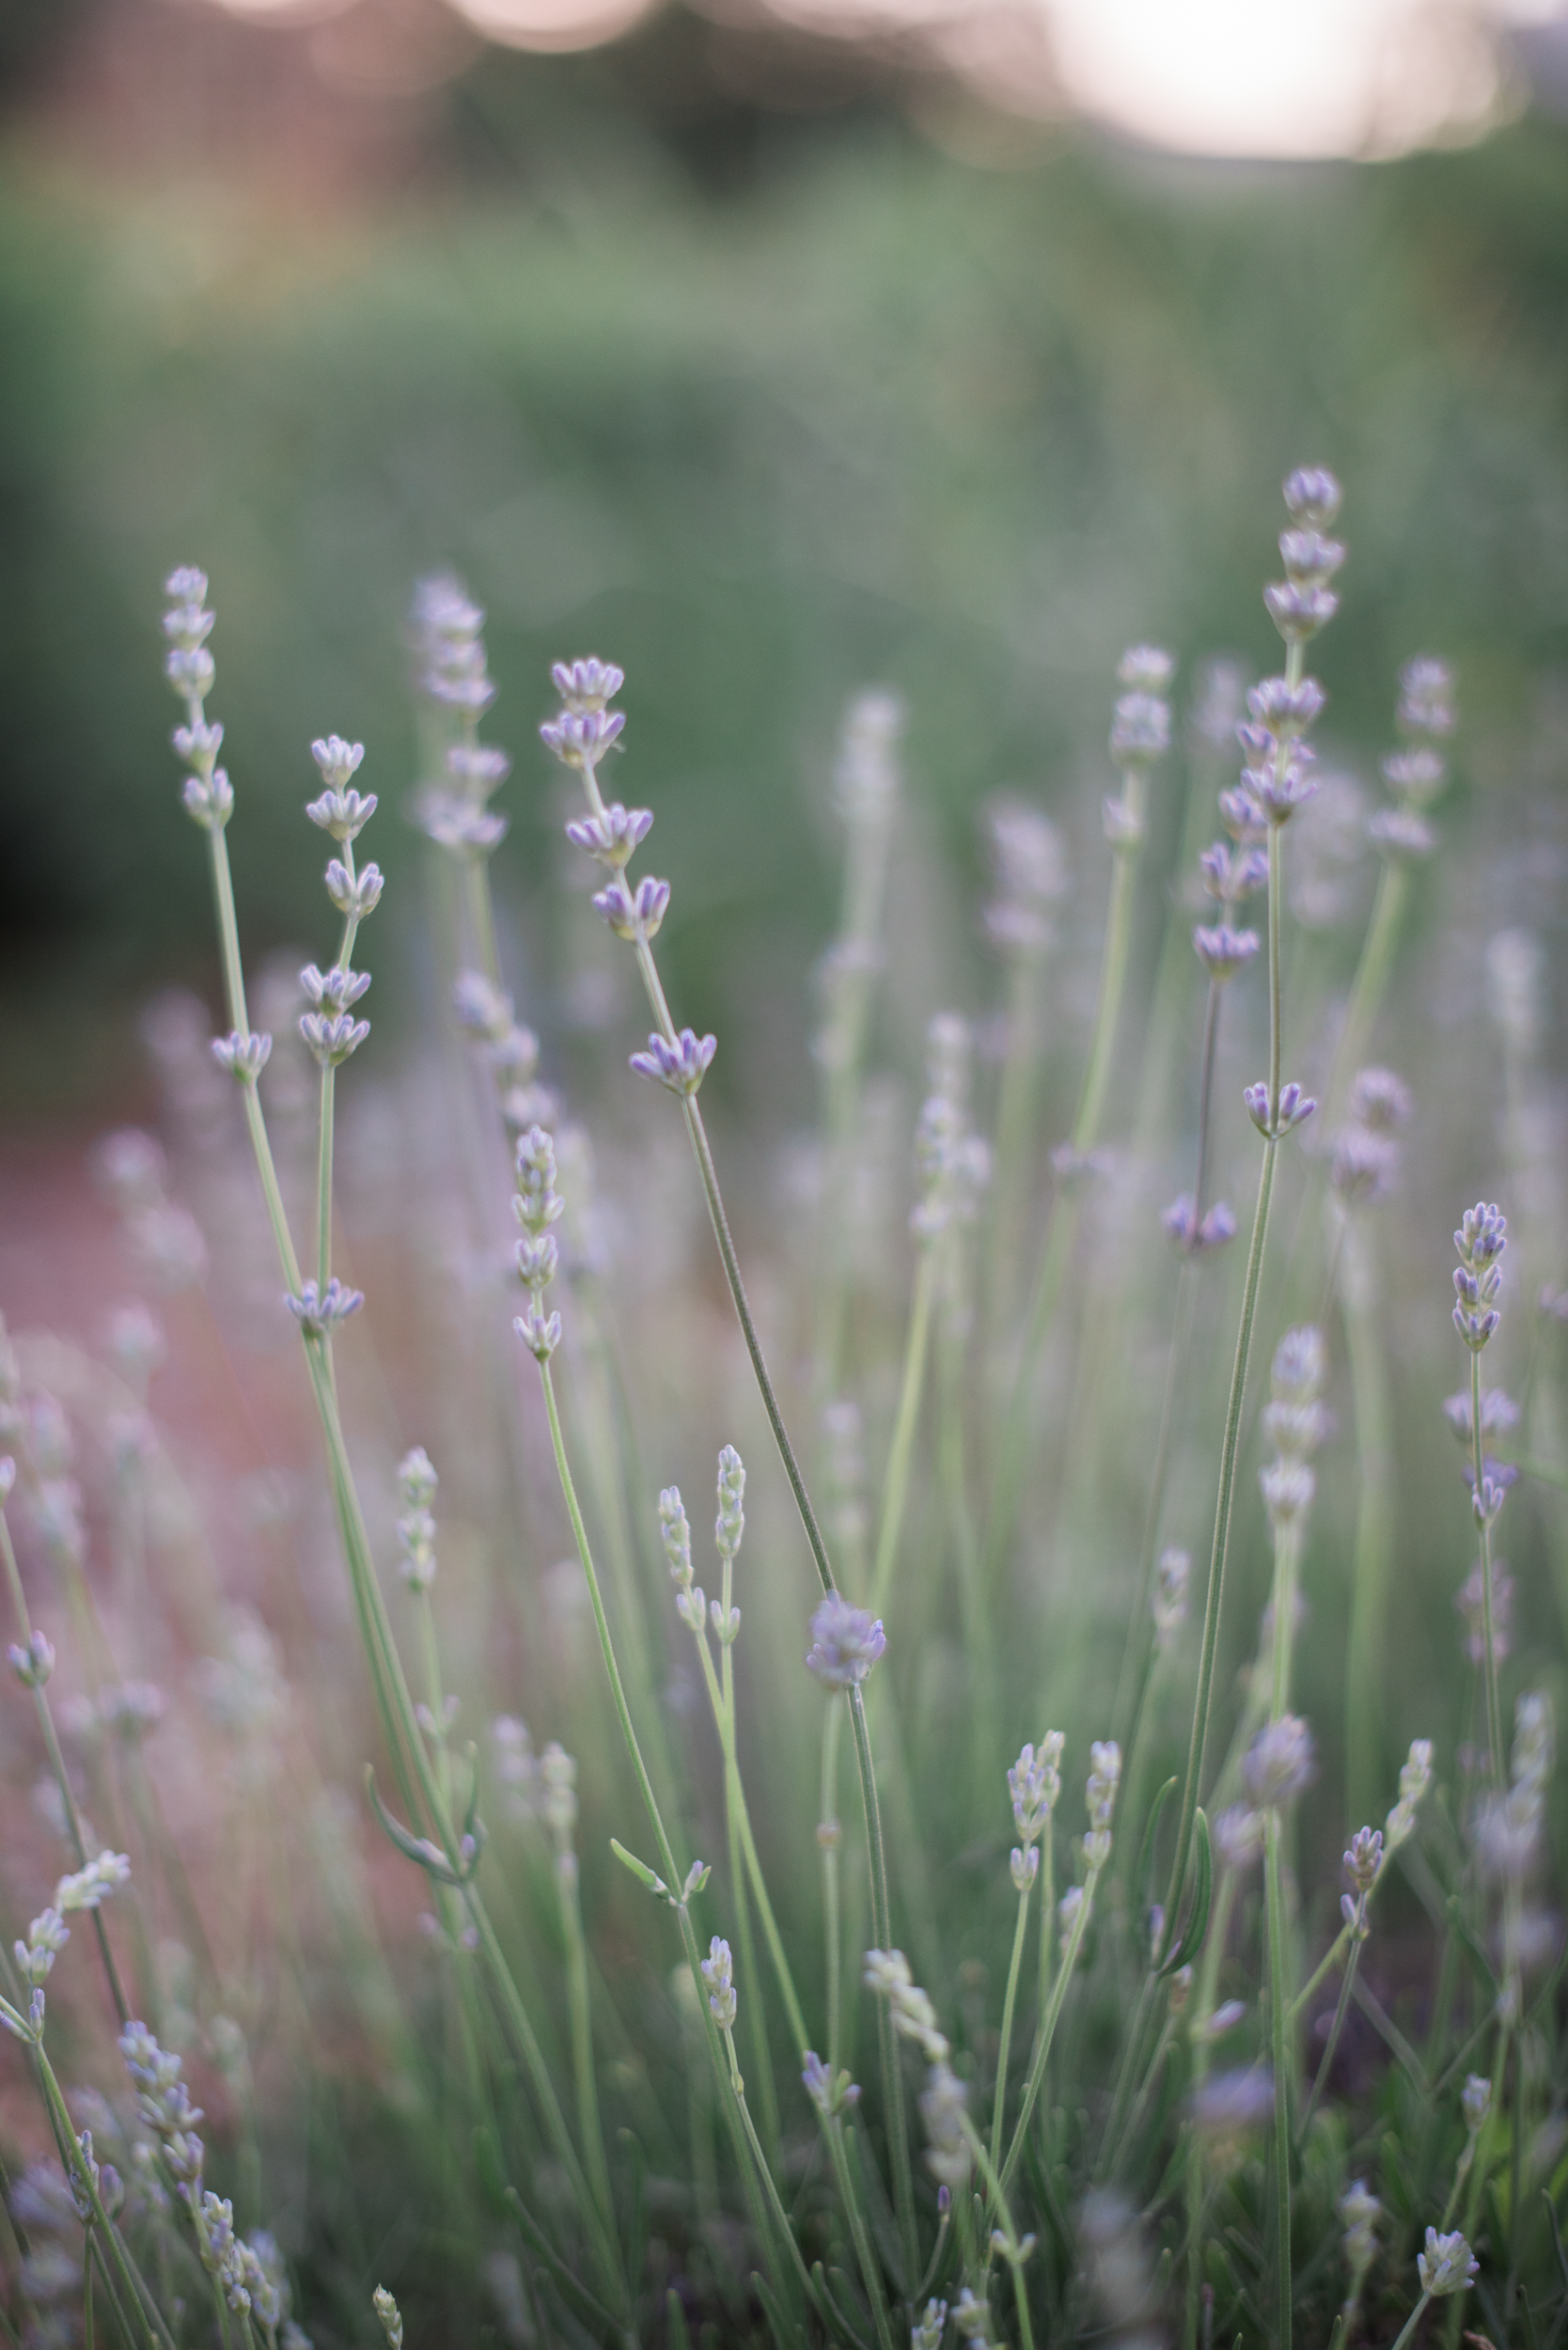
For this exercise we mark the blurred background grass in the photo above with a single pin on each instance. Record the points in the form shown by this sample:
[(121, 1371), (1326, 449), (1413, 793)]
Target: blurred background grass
[(763, 382)]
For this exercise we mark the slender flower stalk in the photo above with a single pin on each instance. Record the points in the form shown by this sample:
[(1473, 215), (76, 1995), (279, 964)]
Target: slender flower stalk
[(319, 1310), (1277, 780), (1103, 1780), (866, 794), (1034, 1784), (32, 1660), (585, 729), (1140, 734)]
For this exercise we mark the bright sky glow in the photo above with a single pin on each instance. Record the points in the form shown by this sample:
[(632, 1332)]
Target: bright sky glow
[(1234, 78), (1278, 77)]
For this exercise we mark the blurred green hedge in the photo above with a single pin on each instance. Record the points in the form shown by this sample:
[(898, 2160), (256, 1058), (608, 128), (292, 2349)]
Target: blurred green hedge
[(890, 416)]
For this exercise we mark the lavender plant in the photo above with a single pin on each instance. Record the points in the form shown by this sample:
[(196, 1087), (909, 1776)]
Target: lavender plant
[(680, 2053)]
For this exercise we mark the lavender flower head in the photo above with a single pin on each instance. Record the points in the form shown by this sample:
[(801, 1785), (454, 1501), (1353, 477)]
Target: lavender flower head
[(845, 1642), (1477, 1278), (1447, 2266), (1278, 1762)]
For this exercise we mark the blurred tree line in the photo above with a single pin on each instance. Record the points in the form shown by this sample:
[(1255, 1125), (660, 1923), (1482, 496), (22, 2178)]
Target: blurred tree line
[(763, 405)]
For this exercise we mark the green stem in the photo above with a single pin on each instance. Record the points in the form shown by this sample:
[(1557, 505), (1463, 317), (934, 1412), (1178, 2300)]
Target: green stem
[(1341, 2010), (1375, 1518), (882, 1927), (83, 2179), (589, 2126), (673, 1876), (871, 2270), (1372, 978), (1004, 2043), (1494, 1703), (323, 1181), (56, 1763), (1220, 1549), (1048, 2022), (895, 1491), (1015, 1119), (1408, 2328), (1280, 2040), (828, 1839), (1061, 1220)]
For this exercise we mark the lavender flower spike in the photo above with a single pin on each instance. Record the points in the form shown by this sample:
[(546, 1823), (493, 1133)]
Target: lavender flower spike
[(845, 1642), (681, 1066)]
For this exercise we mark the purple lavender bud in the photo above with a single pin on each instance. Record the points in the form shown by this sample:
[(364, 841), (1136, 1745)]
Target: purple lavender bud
[(1470, 1602), (1498, 1413), (1313, 496), (650, 900), (681, 1066), (1288, 1487), (1416, 774), (190, 671), (1223, 951), (354, 894), (333, 1036), (243, 1057), (845, 1642), (1242, 818), (33, 1664), (459, 825), (1232, 2105), (1425, 703), (580, 738), (477, 768), (1233, 874), (1141, 729), (1218, 1226), (344, 814), (1399, 832), (634, 914), (1362, 1166), (1281, 790), (1147, 669), (1295, 1109), (1310, 560), (1286, 709), (337, 761), (1483, 1235), (539, 1333), (538, 1256), (1379, 1100), (1278, 1762), (1364, 1858), (613, 836), (587, 684), (1299, 611), (319, 1312)]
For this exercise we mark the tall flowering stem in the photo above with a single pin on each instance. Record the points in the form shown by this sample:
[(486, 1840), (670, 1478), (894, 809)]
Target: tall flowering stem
[(319, 1310), (1478, 1283), (584, 732), (1277, 780), (1140, 734)]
